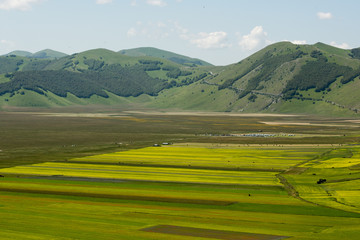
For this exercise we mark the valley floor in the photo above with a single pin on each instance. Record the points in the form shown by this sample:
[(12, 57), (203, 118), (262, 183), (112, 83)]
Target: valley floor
[(221, 177)]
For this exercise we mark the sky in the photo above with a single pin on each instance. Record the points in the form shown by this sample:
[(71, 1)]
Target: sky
[(218, 31)]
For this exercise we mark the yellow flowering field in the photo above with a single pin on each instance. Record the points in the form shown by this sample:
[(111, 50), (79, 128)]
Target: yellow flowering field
[(210, 156)]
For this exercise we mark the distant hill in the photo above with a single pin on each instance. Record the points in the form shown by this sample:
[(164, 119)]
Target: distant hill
[(43, 54), (98, 72), (154, 52), (281, 78), (19, 53), (48, 53)]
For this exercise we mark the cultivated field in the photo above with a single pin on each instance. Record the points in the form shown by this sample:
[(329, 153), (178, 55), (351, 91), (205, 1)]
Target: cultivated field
[(203, 186)]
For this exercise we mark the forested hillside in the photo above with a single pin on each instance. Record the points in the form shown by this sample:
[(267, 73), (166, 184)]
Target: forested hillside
[(283, 77), (86, 74)]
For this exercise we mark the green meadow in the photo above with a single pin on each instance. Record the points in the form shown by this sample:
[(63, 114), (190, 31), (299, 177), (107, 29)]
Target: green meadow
[(205, 185)]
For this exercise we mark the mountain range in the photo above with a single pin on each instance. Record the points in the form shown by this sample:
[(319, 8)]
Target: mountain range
[(43, 54), (281, 78)]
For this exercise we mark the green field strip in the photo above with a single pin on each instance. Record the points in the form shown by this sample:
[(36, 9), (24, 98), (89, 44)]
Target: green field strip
[(135, 185), (175, 210), (344, 192), (10, 235), (273, 160), (63, 227), (185, 165), (332, 193), (236, 202), (240, 225), (159, 192), (144, 173), (122, 197), (60, 210), (135, 170), (210, 233)]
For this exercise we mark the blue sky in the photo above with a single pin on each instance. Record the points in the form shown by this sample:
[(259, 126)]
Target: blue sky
[(218, 31)]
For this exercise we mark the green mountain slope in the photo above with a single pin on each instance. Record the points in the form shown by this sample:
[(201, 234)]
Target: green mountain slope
[(158, 53), (48, 54), (43, 54), (281, 78), (19, 53), (95, 72)]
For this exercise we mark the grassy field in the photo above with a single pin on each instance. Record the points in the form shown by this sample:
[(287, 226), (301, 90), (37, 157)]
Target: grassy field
[(213, 157), (97, 176), (138, 197), (339, 168)]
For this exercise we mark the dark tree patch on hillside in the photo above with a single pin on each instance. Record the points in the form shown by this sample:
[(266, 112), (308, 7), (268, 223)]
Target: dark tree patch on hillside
[(355, 53), (316, 54), (319, 75), (36, 65), (10, 64), (59, 82), (122, 81), (151, 65), (183, 61), (129, 81), (252, 98), (93, 64), (174, 72)]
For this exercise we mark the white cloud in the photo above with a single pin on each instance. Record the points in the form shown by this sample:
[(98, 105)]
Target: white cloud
[(4, 41), (133, 3), (324, 15), (256, 38), (131, 32), (299, 42), (22, 5), (161, 24), (163, 30), (180, 30), (158, 3), (152, 30), (103, 1), (342, 45), (211, 40)]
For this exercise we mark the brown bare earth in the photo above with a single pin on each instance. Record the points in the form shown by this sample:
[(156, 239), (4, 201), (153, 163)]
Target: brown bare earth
[(210, 233)]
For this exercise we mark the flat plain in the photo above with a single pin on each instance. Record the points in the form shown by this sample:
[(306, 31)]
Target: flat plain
[(223, 176)]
